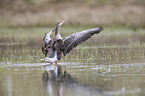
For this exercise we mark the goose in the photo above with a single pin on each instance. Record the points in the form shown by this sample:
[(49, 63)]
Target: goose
[(46, 41), (49, 43), (60, 45)]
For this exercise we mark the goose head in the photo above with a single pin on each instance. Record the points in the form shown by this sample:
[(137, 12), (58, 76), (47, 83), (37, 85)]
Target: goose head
[(60, 22)]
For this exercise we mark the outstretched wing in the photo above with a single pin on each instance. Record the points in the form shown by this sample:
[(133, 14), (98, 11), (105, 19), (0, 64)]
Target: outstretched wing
[(75, 39), (46, 42), (43, 49)]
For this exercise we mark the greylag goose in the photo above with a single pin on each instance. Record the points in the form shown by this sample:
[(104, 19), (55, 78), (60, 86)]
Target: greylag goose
[(47, 40), (59, 45)]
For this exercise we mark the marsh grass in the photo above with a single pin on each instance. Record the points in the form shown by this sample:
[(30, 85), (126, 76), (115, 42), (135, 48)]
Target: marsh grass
[(111, 46), (112, 55)]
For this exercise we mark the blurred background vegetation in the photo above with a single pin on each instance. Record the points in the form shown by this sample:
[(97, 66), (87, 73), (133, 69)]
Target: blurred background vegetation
[(34, 13)]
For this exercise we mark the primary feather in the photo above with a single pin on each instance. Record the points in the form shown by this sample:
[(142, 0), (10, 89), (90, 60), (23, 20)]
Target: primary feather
[(75, 39)]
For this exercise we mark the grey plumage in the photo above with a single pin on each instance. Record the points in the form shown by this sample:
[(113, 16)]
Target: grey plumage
[(75, 39), (59, 45), (67, 44)]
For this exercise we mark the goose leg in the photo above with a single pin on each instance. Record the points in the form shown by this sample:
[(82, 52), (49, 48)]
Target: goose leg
[(56, 63)]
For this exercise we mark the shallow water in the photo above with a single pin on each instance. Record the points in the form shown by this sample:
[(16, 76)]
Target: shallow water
[(37, 79), (48, 80), (103, 70)]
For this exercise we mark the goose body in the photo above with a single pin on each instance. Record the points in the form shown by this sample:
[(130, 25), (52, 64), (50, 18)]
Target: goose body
[(61, 46), (56, 42)]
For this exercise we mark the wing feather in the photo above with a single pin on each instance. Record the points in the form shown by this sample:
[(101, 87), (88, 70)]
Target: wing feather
[(75, 39)]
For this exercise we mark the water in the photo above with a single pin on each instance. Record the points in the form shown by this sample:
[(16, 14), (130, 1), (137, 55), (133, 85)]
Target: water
[(44, 80), (53, 80), (103, 70)]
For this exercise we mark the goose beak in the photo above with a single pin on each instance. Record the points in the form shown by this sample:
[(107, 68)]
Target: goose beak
[(63, 21)]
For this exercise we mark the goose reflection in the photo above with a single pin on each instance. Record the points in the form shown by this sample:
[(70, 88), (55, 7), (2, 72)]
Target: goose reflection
[(58, 82), (55, 80)]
